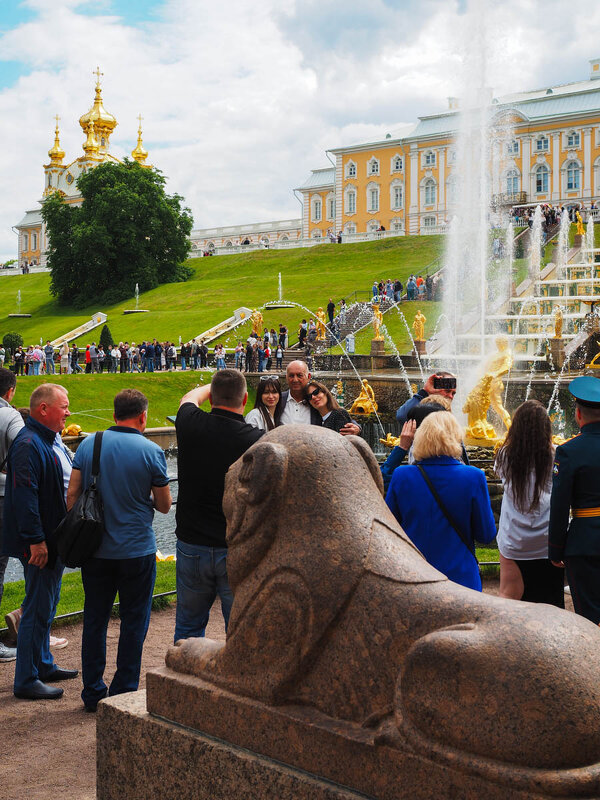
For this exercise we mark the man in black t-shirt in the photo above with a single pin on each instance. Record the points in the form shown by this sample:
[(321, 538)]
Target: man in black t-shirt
[(207, 445)]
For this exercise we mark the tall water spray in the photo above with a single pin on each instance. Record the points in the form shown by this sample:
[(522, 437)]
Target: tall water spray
[(589, 239), (137, 296), (474, 283), (535, 249), (19, 302), (563, 246)]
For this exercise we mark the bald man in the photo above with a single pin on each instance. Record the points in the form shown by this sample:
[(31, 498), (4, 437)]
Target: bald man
[(39, 468), (295, 407)]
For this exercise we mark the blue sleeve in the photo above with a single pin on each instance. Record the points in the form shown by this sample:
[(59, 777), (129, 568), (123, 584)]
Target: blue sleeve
[(410, 403), (392, 497), (79, 461), (483, 525), (395, 458), (159, 468), (26, 468)]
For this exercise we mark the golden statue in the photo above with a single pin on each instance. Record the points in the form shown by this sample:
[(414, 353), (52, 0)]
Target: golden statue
[(390, 440), (487, 393), (558, 323), (419, 326), (321, 325), (365, 402), (257, 322), (580, 228), (377, 322)]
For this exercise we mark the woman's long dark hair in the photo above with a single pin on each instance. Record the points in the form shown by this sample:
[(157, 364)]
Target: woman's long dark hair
[(527, 451), (263, 384)]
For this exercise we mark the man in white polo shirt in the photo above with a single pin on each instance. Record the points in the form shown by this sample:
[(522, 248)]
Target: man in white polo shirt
[(295, 407)]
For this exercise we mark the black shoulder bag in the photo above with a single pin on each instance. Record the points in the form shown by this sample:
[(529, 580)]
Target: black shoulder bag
[(80, 533), (470, 545)]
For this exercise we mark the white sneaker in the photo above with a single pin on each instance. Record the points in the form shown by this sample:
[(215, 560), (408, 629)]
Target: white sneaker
[(58, 643), (7, 653)]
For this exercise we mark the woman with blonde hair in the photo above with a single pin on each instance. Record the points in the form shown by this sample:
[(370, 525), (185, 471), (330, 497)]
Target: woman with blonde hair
[(443, 504)]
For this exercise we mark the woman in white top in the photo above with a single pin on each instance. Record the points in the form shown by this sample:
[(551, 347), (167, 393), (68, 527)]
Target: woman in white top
[(524, 465), (266, 413), (64, 358)]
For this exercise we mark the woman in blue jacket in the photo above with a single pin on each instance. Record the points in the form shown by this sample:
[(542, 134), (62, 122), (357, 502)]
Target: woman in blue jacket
[(446, 537)]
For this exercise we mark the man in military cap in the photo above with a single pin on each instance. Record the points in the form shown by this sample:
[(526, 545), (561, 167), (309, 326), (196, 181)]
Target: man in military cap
[(576, 490)]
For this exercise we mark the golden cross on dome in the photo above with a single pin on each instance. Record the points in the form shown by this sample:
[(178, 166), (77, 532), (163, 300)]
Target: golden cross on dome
[(140, 118), (97, 73), (57, 119)]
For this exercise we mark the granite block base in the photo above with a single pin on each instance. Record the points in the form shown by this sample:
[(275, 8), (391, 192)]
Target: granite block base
[(142, 757)]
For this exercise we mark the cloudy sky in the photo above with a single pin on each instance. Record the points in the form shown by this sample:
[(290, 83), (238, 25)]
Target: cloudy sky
[(241, 99)]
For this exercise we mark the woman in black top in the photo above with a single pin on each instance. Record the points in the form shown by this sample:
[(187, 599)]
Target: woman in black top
[(320, 398)]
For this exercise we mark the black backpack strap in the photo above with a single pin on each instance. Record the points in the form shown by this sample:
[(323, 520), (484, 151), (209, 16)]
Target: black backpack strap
[(96, 457), (470, 545)]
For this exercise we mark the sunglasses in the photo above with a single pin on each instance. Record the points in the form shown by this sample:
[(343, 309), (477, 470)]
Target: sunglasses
[(270, 377), (314, 393)]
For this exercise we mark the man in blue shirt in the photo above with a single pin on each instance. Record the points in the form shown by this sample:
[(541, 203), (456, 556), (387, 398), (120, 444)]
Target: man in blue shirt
[(132, 483)]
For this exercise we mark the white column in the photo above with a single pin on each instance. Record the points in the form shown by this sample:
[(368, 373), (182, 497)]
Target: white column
[(587, 162), (339, 195), (555, 166), (414, 189), (496, 161), (442, 179), (526, 162)]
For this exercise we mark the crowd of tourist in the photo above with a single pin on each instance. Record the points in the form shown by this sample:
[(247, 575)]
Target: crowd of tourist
[(441, 501), (417, 288)]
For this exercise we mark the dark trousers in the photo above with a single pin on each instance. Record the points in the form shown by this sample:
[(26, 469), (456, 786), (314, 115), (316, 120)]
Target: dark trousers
[(583, 574), (133, 579), (42, 591)]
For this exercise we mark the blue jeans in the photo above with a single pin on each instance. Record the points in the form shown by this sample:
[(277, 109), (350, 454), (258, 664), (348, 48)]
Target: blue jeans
[(149, 365), (42, 590), (133, 579), (36, 367), (182, 362), (201, 575), (49, 366)]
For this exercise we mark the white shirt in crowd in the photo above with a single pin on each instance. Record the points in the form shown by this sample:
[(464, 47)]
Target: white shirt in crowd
[(523, 536), (295, 413)]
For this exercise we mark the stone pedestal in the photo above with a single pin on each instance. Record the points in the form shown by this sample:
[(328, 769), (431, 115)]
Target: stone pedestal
[(378, 360), (557, 351), (141, 757), (420, 349)]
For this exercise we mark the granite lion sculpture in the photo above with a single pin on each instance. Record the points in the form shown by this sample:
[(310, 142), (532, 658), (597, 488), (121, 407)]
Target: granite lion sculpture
[(337, 611)]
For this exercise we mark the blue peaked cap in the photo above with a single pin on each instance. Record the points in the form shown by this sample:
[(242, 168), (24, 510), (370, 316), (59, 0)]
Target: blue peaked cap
[(586, 390)]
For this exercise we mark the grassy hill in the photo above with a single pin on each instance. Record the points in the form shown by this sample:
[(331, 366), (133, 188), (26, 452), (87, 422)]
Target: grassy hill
[(222, 283)]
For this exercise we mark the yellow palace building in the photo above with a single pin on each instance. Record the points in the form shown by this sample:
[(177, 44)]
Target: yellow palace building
[(97, 125), (545, 148)]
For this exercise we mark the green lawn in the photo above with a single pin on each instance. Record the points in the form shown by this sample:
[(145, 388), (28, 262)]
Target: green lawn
[(71, 595), (91, 396), (222, 283)]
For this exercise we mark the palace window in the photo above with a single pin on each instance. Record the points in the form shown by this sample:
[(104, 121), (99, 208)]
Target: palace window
[(397, 195), (573, 139), (373, 198), (541, 179), (452, 156), (512, 148), (396, 225), (429, 222), (512, 182), (542, 144), (317, 209), (430, 192), (351, 169), (429, 159), (350, 228), (24, 242), (330, 207), (373, 226), (452, 190), (351, 202), (573, 176), (397, 164), (373, 166), (34, 241), (316, 234)]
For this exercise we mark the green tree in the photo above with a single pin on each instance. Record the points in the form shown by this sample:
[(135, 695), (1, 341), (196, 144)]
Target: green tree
[(11, 341), (106, 337), (126, 231)]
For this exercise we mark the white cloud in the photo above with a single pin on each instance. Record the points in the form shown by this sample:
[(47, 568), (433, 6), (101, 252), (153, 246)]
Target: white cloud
[(241, 99)]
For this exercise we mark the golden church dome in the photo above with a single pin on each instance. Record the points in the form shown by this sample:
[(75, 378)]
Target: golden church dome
[(103, 122), (139, 153), (56, 153)]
